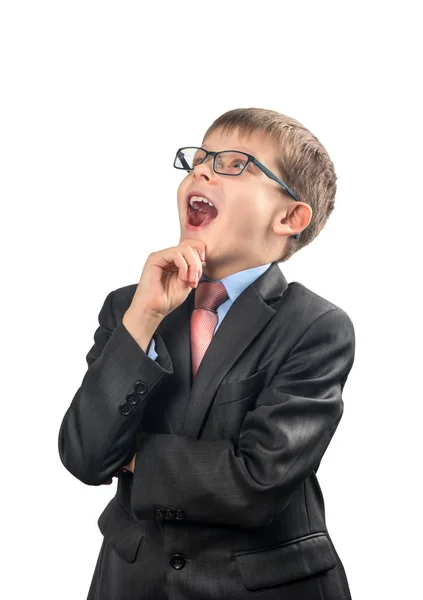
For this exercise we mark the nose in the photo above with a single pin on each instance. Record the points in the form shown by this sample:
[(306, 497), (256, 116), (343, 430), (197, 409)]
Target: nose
[(205, 168)]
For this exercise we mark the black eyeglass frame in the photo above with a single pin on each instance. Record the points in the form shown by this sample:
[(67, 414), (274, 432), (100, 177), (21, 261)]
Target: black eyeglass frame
[(251, 159)]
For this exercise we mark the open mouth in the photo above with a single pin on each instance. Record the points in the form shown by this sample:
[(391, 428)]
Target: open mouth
[(201, 217)]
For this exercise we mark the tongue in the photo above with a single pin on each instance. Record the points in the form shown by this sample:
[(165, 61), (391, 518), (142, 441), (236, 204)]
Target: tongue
[(198, 218)]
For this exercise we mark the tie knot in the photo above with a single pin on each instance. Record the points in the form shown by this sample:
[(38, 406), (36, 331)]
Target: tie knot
[(209, 295)]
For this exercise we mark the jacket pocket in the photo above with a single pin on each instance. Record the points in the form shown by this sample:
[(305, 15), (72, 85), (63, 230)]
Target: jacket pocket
[(120, 531), (290, 561), (229, 391)]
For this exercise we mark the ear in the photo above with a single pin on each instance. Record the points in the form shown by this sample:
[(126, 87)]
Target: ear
[(295, 218)]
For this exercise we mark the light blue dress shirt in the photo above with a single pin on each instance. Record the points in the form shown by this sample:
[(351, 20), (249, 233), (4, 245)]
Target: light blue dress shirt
[(235, 284)]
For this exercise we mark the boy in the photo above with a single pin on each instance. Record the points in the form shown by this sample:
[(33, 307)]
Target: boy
[(213, 399)]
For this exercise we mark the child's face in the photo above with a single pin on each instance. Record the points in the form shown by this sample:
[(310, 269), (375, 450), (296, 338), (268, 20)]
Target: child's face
[(250, 228)]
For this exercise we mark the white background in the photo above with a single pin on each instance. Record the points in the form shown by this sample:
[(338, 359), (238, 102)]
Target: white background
[(95, 99)]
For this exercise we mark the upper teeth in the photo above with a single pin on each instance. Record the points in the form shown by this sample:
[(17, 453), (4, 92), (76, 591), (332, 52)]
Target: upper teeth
[(198, 199)]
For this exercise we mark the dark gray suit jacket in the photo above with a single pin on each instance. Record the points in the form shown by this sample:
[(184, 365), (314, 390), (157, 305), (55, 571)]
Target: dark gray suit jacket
[(224, 502)]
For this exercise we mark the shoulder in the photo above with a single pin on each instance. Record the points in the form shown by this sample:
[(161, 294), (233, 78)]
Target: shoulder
[(304, 307), (313, 324), (303, 295)]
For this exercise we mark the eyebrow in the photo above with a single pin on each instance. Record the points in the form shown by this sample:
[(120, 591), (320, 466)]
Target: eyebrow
[(239, 147)]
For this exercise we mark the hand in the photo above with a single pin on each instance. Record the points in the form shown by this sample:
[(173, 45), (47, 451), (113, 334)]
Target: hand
[(167, 278), (131, 465)]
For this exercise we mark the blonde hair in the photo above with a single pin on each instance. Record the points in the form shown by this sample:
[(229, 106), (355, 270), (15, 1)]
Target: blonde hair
[(303, 164)]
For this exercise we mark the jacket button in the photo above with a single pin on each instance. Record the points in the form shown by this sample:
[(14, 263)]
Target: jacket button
[(125, 409), (179, 514), (168, 513), (158, 513), (177, 561), (132, 399), (140, 387)]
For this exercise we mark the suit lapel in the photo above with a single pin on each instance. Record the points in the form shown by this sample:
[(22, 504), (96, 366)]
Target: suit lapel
[(247, 316)]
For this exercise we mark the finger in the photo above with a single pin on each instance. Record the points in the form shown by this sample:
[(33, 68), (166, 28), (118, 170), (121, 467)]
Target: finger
[(188, 262), (193, 258), (183, 257), (167, 259), (198, 245), (181, 263)]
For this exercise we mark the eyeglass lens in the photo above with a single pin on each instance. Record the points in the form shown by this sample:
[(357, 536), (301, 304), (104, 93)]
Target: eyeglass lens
[(227, 161)]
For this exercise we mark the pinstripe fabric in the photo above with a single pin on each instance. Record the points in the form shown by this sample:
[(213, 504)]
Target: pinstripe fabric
[(208, 296)]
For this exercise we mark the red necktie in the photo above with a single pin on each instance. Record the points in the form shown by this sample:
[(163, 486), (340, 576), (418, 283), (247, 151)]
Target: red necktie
[(208, 296)]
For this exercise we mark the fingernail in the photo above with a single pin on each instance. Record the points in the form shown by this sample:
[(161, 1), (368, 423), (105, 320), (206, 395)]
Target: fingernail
[(203, 255)]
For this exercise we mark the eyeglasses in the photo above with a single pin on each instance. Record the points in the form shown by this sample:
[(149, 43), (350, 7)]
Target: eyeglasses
[(225, 162)]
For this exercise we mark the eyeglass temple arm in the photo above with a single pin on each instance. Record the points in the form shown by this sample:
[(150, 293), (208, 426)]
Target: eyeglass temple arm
[(272, 176), (285, 187), (183, 161)]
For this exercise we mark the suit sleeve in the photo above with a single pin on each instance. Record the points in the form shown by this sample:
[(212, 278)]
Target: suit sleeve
[(281, 441), (98, 431)]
